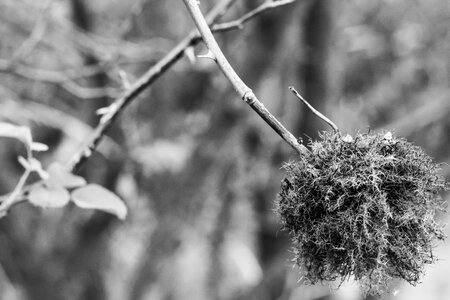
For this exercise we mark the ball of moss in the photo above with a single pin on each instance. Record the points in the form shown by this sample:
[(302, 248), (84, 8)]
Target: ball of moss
[(362, 207)]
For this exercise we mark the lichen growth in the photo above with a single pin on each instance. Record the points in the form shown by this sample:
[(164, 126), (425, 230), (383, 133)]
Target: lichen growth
[(362, 207)]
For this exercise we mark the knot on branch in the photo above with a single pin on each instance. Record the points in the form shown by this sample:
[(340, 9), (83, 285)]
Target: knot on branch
[(362, 207), (249, 97)]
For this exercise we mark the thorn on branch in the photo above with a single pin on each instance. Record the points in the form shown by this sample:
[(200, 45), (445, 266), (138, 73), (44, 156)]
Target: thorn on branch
[(209, 55), (315, 111)]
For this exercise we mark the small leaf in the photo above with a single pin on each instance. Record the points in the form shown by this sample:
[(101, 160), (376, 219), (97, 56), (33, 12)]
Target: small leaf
[(45, 195), (61, 176), (94, 196)]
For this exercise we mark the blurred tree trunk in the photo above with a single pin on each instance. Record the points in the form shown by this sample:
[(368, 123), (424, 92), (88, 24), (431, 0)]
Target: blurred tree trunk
[(314, 70)]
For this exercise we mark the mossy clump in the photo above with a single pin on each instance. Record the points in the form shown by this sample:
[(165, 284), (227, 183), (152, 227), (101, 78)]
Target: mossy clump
[(362, 206)]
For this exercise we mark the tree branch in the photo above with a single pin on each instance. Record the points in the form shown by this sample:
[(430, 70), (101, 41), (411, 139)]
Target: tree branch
[(151, 76), (241, 88), (143, 82)]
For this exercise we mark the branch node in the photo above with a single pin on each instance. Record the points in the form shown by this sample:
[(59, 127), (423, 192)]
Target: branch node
[(249, 97), (108, 112), (209, 55)]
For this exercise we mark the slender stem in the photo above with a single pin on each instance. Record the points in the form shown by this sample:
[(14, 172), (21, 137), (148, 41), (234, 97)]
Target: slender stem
[(315, 111), (241, 88), (4, 206)]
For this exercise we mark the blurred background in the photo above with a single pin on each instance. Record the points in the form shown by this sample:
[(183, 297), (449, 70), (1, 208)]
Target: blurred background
[(198, 169)]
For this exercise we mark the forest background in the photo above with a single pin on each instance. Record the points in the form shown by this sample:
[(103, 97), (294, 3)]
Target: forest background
[(198, 170)]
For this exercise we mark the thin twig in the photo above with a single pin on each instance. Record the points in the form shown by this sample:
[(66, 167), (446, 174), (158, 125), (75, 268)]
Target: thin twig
[(239, 23), (315, 111), (18, 190), (241, 88)]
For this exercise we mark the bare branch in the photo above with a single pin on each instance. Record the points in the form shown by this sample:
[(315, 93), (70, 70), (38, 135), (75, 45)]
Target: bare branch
[(142, 83), (315, 111), (241, 88), (239, 23)]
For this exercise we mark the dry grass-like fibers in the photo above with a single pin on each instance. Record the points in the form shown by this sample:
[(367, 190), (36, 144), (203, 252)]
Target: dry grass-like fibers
[(362, 207)]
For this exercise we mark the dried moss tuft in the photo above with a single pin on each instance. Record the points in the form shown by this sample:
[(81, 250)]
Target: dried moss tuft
[(362, 207)]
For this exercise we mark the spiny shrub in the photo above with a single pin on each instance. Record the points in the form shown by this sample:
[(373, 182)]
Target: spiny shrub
[(362, 207)]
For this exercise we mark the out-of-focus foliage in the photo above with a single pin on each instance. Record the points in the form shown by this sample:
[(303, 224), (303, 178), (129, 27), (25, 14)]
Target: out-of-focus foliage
[(198, 170)]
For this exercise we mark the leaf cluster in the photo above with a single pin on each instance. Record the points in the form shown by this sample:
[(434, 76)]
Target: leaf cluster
[(57, 186), (61, 187), (362, 207)]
